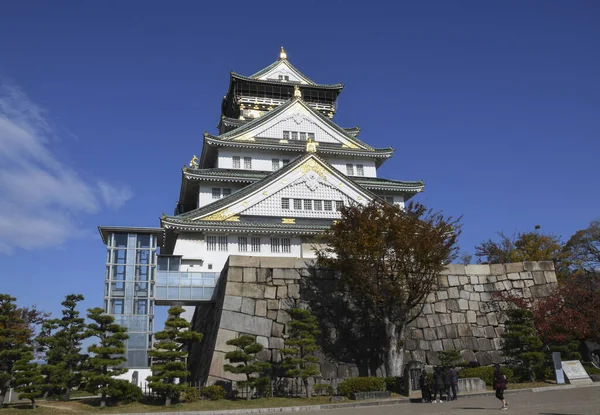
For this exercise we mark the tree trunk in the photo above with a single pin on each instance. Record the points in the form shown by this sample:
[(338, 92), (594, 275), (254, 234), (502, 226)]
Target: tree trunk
[(2, 396), (67, 394), (308, 390), (394, 359), (168, 400), (250, 393), (33, 404), (103, 400)]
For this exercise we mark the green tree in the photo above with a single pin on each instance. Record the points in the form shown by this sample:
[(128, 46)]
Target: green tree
[(61, 339), (247, 363), (389, 260), (523, 246), (449, 357), (29, 381), (170, 353), (300, 347), (583, 250), (107, 355), (521, 344), (15, 342)]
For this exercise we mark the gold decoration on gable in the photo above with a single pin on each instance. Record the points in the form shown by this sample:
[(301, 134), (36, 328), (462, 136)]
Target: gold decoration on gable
[(289, 221), (233, 219), (312, 165), (219, 216)]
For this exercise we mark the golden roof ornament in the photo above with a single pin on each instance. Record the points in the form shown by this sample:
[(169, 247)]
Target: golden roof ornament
[(282, 54), (311, 146), (194, 162), (297, 92)]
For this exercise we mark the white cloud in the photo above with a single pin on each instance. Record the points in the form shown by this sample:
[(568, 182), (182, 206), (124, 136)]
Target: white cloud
[(41, 198), (113, 196)]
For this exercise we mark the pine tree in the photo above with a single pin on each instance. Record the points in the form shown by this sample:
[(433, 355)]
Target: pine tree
[(61, 339), (15, 341), (247, 363), (521, 343), (108, 355), (449, 357), (169, 356), (300, 347), (29, 381)]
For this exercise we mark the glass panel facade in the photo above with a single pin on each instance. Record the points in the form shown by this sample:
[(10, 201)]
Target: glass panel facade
[(131, 263)]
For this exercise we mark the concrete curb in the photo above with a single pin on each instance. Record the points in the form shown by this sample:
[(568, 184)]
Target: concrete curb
[(325, 407)]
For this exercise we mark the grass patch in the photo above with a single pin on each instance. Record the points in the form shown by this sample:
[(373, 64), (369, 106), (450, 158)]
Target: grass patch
[(91, 406)]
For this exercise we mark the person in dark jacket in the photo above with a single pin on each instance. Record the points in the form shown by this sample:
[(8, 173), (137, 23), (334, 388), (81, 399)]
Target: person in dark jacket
[(454, 377), (447, 382), (425, 389), (438, 384), (500, 385)]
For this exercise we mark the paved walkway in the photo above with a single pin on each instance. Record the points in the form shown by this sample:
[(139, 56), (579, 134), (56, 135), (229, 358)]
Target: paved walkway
[(578, 401)]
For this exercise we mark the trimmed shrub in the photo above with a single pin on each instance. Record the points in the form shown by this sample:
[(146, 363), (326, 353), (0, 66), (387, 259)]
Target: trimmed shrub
[(393, 384), (591, 369), (363, 384), (323, 389), (124, 391), (190, 395), (213, 392), (485, 373)]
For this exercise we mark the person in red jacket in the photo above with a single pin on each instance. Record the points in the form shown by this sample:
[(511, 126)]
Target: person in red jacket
[(500, 385)]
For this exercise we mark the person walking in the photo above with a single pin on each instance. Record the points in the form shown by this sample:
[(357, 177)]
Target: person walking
[(500, 385), (425, 389), (454, 377), (438, 384), (447, 382)]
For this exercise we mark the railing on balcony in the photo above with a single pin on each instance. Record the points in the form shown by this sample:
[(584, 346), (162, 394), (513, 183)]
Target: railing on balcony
[(185, 285)]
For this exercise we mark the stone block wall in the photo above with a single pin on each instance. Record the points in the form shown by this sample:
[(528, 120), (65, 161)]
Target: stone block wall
[(463, 315), (254, 293)]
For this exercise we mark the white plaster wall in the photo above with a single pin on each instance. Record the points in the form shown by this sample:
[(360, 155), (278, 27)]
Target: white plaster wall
[(193, 246), (398, 199), (260, 161), (340, 164), (205, 191), (142, 375)]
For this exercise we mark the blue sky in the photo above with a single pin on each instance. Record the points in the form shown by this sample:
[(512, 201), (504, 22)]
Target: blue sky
[(495, 105)]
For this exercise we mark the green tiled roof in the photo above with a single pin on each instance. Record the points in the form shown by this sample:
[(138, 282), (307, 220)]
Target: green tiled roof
[(221, 203), (283, 107), (254, 226), (251, 176), (287, 83)]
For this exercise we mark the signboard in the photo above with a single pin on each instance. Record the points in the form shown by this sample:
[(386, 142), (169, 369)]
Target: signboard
[(575, 371), (560, 378)]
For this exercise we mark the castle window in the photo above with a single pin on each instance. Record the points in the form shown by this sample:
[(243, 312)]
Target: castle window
[(237, 162), (311, 136), (226, 192), (297, 204), (286, 161), (286, 135), (248, 163), (294, 135), (307, 204), (349, 170), (360, 170), (275, 245), (285, 203), (286, 245), (302, 136), (242, 244), (327, 204), (318, 205), (211, 243), (338, 204), (255, 243), (275, 163), (389, 199), (222, 243), (216, 193)]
